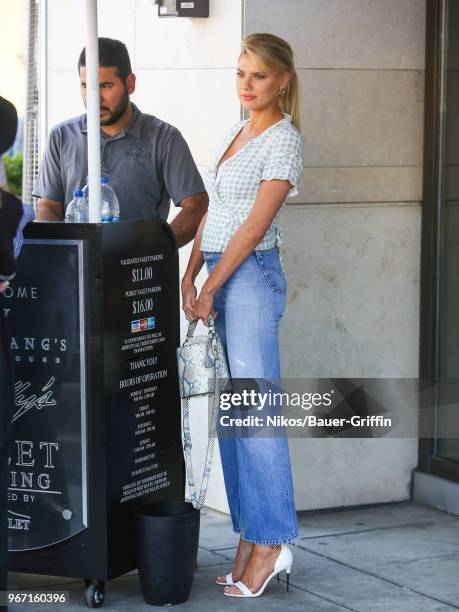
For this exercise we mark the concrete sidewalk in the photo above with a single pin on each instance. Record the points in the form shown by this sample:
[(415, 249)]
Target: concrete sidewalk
[(389, 558)]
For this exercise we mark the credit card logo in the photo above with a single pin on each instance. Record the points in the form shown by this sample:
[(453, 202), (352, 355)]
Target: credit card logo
[(143, 324)]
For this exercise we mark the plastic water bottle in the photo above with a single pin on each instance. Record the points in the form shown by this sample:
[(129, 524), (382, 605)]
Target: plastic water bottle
[(86, 189), (77, 211), (110, 204)]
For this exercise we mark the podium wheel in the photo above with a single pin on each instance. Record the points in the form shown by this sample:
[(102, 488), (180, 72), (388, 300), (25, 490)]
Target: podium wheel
[(94, 593)]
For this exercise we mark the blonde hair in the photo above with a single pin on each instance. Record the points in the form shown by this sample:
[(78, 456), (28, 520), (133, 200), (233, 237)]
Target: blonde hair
[(276, 56)]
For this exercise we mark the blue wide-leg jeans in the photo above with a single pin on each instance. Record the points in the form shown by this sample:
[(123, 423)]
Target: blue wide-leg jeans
[(257, 471)]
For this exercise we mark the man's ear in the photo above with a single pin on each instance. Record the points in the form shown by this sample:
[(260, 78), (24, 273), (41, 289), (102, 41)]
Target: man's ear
[(130, 82)]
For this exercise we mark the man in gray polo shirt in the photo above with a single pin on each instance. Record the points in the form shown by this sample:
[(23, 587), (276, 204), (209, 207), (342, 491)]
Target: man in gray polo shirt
[(147, 160)]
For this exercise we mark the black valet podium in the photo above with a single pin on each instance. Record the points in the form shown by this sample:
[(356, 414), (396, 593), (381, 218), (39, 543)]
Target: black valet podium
[(93, 313)]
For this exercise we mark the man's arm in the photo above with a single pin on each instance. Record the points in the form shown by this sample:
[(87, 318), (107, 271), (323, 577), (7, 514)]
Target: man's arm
[(186, 223), (50, 210), (49, 184), (185, 187)]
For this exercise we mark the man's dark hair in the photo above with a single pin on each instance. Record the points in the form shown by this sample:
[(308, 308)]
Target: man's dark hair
[(111, 53)]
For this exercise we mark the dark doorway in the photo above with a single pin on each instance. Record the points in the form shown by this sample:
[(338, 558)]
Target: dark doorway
[(440, 234)]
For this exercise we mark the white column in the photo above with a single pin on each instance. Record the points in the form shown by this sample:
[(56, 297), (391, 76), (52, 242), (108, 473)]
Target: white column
[(93, 109)]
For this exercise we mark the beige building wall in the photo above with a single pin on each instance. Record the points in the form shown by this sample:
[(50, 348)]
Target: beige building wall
[(12, 52), (352, 237)]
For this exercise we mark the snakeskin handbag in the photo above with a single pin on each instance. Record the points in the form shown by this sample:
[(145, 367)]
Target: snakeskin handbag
[(203, 370)]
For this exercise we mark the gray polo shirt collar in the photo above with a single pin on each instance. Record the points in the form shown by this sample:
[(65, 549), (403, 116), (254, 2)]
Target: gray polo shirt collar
[(133, 128)]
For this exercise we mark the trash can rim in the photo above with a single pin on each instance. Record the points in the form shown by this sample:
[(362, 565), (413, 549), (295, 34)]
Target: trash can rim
[(147, 508)]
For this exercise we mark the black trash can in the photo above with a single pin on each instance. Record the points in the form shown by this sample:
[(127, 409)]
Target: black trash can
[(167, 540)]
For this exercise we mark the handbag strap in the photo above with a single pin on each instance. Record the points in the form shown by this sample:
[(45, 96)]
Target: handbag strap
[(198, 501), (192, 327)]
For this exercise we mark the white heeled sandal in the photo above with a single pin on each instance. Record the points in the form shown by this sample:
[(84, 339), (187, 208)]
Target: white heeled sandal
[(283, 562), (228, 578)]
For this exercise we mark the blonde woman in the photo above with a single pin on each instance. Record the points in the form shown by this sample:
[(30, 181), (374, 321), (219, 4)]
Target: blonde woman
[(259, 165)]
